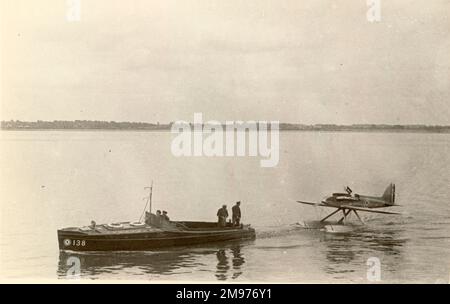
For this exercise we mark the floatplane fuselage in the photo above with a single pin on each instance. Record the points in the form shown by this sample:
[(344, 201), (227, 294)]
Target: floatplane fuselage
[(348, 203)]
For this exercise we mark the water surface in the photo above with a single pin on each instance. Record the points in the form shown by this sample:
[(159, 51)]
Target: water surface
[(55, 179)]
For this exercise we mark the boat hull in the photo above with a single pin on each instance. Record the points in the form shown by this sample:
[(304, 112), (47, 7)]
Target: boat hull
[(79, 241)]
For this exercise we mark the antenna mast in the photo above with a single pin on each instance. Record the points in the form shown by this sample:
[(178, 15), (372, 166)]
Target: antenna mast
[(150, 198), (149, 201)]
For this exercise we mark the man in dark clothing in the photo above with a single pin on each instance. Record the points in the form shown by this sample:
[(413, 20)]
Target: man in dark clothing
[(165, 216), (158, 218), (222, 215), (236, 214)]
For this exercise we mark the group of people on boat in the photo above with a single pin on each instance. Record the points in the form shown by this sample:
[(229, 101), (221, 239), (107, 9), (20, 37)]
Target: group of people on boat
[(161, 218), (222, 215)]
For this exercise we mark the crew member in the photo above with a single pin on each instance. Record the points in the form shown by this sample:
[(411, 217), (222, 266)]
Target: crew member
[(236, 214), (222, 215), (158, 219), (165, 216)]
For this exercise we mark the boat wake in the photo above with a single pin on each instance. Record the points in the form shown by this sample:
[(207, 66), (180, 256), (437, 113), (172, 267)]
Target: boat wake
[(276, 231)]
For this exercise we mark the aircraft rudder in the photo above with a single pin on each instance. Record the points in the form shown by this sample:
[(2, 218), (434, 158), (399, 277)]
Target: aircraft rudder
[(389, 194)]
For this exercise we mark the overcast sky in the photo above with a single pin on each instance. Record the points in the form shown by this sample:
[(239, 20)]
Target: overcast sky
[(309, 61)]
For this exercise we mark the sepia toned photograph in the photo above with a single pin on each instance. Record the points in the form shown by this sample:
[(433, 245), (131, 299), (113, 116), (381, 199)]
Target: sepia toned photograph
[(207, 141)]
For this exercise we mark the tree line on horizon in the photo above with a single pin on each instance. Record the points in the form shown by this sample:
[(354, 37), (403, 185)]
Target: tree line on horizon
[(113, 125)]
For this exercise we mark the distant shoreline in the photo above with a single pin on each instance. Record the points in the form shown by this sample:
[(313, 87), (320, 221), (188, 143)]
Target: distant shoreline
[(89, 125), (281, 130)]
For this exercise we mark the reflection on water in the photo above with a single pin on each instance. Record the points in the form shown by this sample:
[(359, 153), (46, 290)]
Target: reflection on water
[(228, 257), (339, 254), (224, 270), (343, 249), (238, 261), (222, 265), (93, 264), (411, 248)]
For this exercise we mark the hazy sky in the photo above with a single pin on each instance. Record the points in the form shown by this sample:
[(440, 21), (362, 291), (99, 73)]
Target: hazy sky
[(308, 61)]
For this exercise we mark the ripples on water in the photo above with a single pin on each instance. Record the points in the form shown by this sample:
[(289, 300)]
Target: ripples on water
[(344, 253), (227, 258), (74, 177)]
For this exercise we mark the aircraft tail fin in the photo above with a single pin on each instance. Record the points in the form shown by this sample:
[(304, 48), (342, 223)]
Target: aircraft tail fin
[(389, 194)]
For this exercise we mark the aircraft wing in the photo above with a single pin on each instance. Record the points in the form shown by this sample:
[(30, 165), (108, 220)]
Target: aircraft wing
[(367, 210), (315, 204), (347, 207)]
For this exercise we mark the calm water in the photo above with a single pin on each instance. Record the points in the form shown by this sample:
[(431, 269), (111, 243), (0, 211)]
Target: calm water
[(51, 180)]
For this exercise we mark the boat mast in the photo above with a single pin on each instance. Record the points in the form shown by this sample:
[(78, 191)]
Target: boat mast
[(150, 198), (149, 201)]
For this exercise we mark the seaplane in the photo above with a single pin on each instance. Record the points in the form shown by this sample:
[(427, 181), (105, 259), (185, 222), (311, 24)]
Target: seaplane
[(348, 203)]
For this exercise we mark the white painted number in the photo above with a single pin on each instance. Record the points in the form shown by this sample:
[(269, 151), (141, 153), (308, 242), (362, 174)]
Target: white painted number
[(79, 243), (76, 243)]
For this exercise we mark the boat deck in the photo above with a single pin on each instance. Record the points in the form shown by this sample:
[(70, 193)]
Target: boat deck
[(105, 229), (128, 227)]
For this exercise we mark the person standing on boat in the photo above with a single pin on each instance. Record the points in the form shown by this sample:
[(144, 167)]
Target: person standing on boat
[(236, 214), (222, 215), (165, 216), (158, 218)]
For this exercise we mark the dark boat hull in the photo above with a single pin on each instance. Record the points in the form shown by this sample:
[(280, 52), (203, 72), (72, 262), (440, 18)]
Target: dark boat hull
[(79, 241)]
